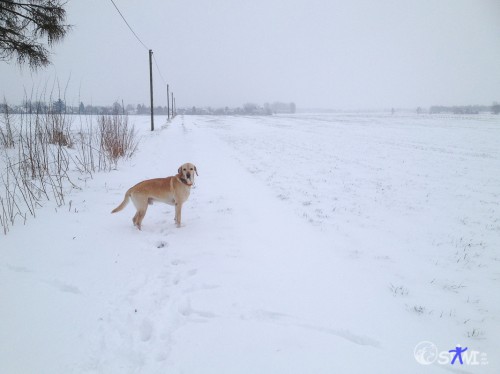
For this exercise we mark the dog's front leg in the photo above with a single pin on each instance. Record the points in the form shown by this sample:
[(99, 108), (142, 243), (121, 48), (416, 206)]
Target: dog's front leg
[(178, 208)]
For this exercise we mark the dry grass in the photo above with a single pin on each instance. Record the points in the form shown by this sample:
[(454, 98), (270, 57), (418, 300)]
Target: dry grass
[(40, 152), (118, 139)]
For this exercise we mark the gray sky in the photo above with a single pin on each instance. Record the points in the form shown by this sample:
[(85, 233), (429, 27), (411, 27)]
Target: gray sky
[(316, 53)]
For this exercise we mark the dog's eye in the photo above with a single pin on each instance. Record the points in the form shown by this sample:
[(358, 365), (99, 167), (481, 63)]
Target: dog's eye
[(184, 169), (191, 169)]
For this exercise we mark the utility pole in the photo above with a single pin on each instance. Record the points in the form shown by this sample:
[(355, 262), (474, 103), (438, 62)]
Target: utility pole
[(151, 87), (172, 104), (168, 104)]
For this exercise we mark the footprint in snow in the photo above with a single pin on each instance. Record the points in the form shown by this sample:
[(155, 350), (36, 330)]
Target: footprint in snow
[(146, 330), (176, 262), (19, 269), (178, 277), (65, 287), (186, 310), (161, 244)]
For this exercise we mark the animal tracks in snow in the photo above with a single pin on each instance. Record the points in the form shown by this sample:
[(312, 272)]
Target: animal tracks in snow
[(293, 322), (65, 287), (296, 228), (161, 244)]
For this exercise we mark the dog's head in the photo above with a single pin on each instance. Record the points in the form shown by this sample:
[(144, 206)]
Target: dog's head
[(187, 172)]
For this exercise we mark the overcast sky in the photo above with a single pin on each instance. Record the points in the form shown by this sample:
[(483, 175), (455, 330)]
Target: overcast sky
[(317, 53)]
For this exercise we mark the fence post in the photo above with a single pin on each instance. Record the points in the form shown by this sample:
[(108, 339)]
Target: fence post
[(151, 87)]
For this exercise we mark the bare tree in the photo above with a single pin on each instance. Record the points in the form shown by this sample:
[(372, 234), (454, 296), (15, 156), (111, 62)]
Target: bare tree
[(23, 26)]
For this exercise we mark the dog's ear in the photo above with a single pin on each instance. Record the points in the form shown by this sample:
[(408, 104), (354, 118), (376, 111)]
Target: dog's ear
[(180, 170), (196, 171)]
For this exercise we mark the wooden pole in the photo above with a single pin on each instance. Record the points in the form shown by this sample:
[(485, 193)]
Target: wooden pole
[(172, 104), (151, 87), (168, 104)]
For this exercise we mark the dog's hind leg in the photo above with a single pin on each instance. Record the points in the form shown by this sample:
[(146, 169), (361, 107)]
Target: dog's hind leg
[(139, 216), (135, 219), (141, 204)]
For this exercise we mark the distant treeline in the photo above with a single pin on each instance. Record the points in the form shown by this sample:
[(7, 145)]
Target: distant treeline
[(60, 107), (247, 109), (466, 109)]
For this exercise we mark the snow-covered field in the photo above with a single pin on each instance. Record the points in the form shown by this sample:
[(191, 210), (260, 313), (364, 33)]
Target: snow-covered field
[(328, 243)]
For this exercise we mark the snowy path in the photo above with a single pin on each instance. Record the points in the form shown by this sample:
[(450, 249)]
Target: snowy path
[(245, 286)]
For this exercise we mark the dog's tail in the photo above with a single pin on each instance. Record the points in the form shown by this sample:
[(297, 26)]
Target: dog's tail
[(123, 204)]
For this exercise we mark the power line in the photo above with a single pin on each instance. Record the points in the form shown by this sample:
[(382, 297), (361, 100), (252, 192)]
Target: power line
[(159, 71), (133, 32), (150, 68), (140, 41)]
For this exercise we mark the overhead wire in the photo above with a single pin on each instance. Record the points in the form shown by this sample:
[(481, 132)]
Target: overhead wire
[(133, 32), (159, 71), (140, 41)]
